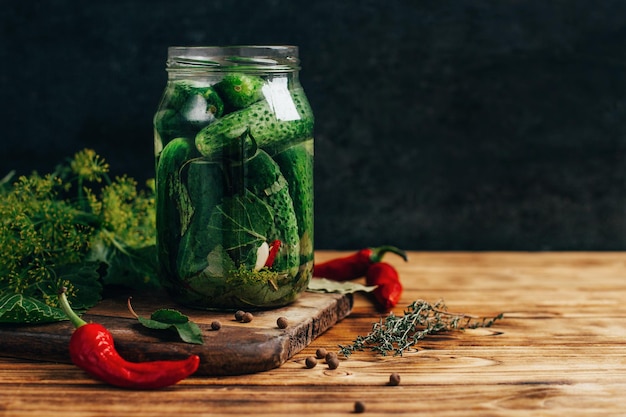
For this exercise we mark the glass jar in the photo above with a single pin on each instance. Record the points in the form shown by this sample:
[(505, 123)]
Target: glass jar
[(233, 138)]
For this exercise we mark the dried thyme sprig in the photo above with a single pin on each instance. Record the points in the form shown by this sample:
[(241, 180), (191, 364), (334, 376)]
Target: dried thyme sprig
[(398, 333)]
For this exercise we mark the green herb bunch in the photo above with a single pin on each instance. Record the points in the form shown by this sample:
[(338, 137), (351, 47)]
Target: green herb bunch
[(397, 334), (76, 228)]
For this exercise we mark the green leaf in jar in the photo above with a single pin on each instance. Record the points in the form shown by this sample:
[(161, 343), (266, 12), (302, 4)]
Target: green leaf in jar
[(240, 224)]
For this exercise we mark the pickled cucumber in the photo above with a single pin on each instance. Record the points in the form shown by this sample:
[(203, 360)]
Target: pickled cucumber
[(173, 208), (239, 90), (186, 109), (201, 180), (296, 165), (271, 134)]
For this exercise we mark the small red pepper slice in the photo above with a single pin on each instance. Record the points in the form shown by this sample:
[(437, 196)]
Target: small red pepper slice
[(355, 265), (92, 349), (274, 247), (386, 278)]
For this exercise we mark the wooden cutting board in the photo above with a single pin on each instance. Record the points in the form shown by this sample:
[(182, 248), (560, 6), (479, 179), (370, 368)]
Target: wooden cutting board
[(237, 348)]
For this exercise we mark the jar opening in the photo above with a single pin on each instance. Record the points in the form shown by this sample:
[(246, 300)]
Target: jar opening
[(244, 58)]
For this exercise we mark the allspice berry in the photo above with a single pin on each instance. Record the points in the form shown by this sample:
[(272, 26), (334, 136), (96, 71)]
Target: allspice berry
[(333, 362), (394, 379), (310, 362), (247, 317), (330, 355), (320, 353), (282, 322), (216, 325), (239, 315), (359, 407)]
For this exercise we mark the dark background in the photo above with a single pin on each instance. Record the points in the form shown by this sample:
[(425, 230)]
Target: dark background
[(440, 125)]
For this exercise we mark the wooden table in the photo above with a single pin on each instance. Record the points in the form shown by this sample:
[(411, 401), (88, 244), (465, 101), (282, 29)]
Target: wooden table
[(559, 351)]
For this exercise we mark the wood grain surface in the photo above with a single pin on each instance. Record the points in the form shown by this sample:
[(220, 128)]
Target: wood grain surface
[(559, 351)]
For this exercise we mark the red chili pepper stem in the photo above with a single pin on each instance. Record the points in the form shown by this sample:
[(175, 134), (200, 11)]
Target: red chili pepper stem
[(65, 306), (378, 252)]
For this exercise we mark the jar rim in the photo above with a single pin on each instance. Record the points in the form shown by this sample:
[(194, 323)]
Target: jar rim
[(266, 58)]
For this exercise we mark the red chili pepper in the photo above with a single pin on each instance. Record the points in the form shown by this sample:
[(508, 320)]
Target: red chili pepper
[(354, 266), (92, 349), (274, 247), (389, 288)]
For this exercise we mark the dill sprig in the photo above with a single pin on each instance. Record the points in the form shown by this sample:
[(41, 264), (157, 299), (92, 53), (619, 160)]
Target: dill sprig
[(38, 232), (397, 334), (58, 230)]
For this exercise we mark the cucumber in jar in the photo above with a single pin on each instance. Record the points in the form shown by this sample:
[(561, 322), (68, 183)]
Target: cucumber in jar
[(264, 178), (271, 133), (173, 210), (185, 109), (202, 183), (296, 165), (239, 90)]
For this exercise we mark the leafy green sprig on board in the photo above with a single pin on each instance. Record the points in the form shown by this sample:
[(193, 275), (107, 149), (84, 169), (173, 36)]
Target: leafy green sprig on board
[(74, 227)]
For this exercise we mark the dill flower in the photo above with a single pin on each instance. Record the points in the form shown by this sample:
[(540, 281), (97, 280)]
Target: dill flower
[(126, 212), (89, 166)]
